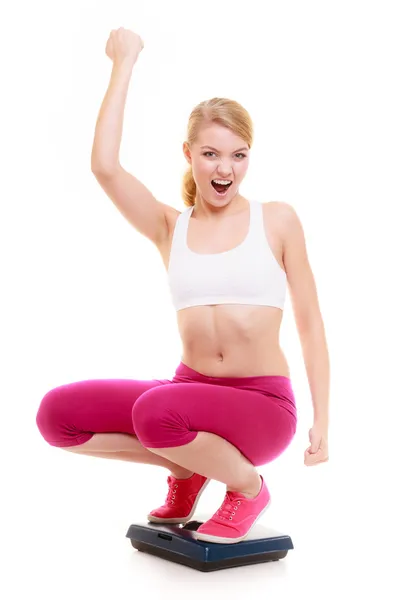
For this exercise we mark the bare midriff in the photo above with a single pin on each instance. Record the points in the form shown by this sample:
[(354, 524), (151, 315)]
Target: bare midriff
[(229, 340)]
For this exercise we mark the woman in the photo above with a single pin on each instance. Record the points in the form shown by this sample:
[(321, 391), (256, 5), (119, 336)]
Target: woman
[(230, 405)]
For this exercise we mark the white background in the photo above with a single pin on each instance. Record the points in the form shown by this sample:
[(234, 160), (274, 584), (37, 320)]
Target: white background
[(84, 296)]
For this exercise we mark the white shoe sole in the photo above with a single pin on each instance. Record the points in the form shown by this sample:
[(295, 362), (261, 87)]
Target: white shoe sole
[(204, 537)]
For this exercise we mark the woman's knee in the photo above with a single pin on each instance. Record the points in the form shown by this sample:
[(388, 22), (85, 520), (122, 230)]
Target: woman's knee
[(55, 422), (157, 420), (146, 413)]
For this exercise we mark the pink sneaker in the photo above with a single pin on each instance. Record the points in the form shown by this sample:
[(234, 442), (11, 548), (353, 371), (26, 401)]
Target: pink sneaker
[(180, 504), (235, 518)]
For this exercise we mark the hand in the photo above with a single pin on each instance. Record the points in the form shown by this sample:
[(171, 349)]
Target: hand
[(124, 45), (317, 452)]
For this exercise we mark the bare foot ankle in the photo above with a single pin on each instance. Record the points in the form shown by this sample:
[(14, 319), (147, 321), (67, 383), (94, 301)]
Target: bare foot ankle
[(182, 474), (250, 491)]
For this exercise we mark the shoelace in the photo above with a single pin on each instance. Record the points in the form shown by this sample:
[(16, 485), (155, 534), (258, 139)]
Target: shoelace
[(228, 508), (171, 492)]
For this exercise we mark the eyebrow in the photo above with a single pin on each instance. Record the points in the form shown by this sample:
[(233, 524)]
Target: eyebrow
[(202, 147)]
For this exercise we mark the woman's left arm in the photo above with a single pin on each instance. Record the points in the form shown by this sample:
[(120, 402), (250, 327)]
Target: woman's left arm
[(316, 360), (310, 327)]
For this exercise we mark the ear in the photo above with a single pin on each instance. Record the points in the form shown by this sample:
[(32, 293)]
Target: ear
[(186, 152)]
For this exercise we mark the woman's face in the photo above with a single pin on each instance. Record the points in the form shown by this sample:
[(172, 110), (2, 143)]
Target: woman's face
[(218, 154)]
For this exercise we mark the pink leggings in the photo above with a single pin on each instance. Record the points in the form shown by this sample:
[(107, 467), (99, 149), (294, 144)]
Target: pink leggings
[(255, 414)]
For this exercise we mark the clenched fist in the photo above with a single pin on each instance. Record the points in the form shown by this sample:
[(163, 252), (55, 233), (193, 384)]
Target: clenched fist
[(124, 45)]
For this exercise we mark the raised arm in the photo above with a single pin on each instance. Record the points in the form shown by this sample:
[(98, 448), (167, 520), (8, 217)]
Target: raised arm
[(131, 197)]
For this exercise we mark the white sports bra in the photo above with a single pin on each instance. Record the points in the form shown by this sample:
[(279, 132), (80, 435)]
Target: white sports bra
[(247, 274)]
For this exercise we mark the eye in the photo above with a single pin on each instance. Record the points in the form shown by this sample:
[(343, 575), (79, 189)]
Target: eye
[(238, 154)]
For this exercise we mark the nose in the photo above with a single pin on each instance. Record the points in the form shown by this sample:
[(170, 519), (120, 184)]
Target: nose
[(224, 170)]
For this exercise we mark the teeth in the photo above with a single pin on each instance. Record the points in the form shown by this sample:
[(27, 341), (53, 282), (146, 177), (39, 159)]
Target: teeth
[(222, 181)]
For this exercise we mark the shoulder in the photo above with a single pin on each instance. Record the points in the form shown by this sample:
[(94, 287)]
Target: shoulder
[(280, 209), (287, 227), (284, 215), (171, 215)]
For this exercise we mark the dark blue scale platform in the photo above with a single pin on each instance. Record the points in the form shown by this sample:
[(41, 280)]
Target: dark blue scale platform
[(176, 543)]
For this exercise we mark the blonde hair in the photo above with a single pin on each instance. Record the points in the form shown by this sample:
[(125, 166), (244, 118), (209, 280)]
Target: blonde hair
[(222, 111)]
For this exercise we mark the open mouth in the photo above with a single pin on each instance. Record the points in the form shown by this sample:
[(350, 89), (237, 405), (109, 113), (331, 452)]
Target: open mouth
[(221, 189)]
